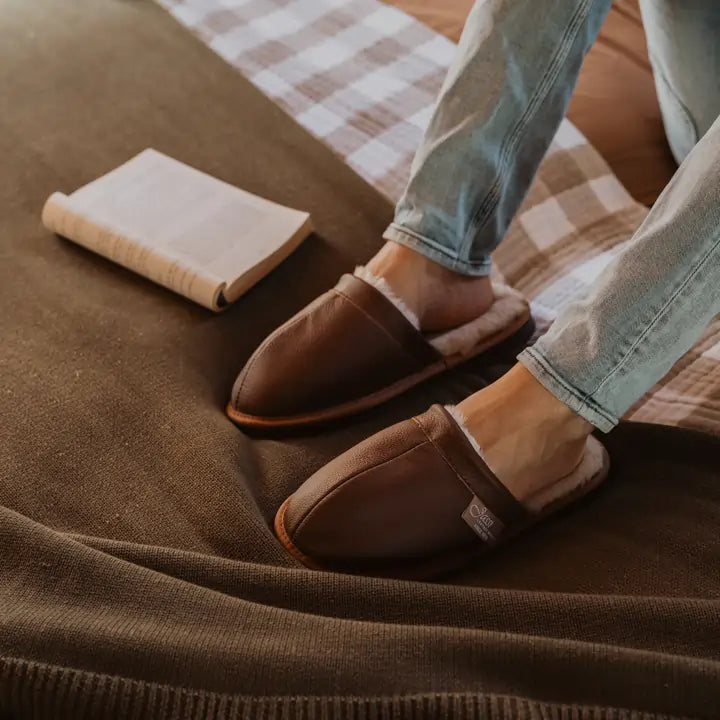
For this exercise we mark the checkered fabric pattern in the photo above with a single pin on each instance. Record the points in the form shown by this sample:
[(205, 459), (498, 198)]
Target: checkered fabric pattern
[(363, 76)]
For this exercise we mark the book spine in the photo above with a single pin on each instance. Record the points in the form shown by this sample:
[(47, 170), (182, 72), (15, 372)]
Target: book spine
[(59, 216)]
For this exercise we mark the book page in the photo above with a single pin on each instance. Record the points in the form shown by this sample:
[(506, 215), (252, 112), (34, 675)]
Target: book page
[(207, 231), (61, 217)]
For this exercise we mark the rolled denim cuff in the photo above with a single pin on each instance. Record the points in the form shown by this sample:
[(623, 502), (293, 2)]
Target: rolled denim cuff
[(541, 369), (436, 252)]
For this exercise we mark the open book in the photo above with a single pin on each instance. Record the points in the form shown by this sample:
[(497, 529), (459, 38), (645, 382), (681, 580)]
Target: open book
[(179, 227)]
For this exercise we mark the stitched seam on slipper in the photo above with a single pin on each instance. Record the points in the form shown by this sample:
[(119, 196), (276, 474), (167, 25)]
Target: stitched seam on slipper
[(382, 329), (289, 544), (353, 477), (457, 473), (268, 342)]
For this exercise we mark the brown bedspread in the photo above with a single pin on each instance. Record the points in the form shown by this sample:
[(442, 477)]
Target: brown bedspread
[(139, 576), (614, 103)]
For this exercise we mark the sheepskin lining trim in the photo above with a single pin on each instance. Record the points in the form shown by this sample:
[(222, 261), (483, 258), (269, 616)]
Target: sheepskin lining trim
[(592, 461), (382, 285), (459, 417), (589, 466), (505, 310)]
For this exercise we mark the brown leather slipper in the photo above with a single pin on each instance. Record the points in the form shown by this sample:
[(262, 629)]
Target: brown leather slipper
[(354, 348), (416, 500)]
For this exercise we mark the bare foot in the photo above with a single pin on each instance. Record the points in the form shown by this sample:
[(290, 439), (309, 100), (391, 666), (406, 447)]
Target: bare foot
[(528, 438), (441, 299)]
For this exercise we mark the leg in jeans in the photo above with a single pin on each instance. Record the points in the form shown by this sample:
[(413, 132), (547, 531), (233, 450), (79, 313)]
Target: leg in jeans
[(499, 108), (651, 305), (684, 45)]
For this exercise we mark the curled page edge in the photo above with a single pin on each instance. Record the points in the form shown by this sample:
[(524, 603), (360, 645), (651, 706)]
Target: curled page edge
[(61, 217)]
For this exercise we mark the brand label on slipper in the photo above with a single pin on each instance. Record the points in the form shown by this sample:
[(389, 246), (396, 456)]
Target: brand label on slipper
[(484, 523)]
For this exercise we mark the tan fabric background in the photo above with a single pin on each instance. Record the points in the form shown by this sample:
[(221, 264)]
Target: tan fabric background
[(182, 604), (614, 103)]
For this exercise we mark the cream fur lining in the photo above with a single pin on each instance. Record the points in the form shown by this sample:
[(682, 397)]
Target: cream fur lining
[(580, 478), (458, 416), (381, 284), (592, 462), (509, 305)]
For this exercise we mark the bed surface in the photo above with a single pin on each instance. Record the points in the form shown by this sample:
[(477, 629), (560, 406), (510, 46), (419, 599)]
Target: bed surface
[(139, 576)]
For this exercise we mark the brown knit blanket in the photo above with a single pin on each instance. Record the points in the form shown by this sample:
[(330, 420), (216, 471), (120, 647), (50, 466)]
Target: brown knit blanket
[(139, 577)]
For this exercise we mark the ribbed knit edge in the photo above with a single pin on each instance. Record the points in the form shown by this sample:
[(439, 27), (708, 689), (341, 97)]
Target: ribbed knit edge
[(37, 690)]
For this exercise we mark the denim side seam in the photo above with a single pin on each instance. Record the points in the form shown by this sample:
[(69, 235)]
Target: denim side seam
[(692, 125), (649, 327), (683, 113), (540, 367), (483, 214)]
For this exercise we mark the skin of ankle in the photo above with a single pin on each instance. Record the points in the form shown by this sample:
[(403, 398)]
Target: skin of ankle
[(529, 438), (441, 298), (520, 395), (403, 269)]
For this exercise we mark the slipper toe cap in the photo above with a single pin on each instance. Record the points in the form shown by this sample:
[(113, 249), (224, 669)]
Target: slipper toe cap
[(390, 497), (331, 353)]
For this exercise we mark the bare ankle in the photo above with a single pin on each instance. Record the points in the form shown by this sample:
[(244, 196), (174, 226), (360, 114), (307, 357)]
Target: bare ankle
[(441, 298), (528, 437), (518, 393)]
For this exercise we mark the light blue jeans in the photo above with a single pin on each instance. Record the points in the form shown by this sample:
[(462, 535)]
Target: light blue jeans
[(499, 108)]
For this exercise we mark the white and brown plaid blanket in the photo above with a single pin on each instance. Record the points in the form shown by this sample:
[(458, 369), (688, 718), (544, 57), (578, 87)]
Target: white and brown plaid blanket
[(363, 76)]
